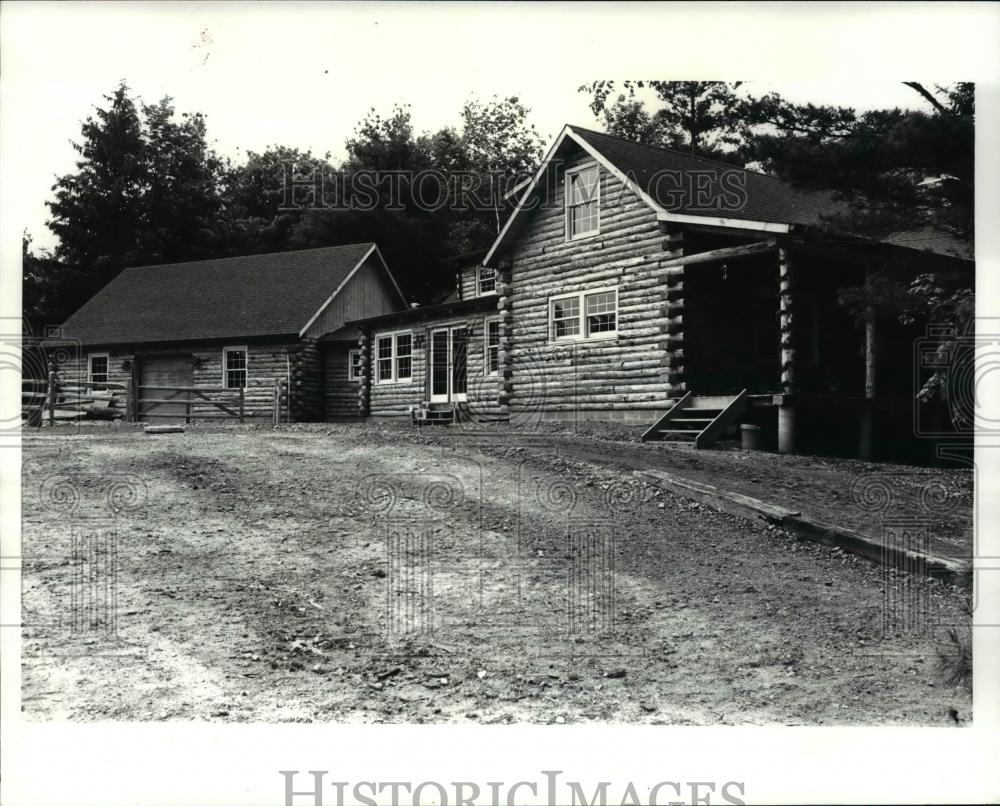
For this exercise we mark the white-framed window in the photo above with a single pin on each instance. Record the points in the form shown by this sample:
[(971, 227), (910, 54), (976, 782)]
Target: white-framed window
[(486, 281), (234, 367), (394, 357), (583, 201), (354, 365), (97, 368), (492, 345), (584, 315)]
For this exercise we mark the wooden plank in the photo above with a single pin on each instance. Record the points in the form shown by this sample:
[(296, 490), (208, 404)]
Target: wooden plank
[(92, 384), (164, 429), (194, 415), (728, 253), (207, 389), (727, 417), (655, 427)]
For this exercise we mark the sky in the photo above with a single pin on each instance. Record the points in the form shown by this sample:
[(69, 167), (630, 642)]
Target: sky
[(304, 74)]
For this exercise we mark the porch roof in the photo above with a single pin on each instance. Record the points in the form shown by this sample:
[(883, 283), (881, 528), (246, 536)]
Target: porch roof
[(446, 308)]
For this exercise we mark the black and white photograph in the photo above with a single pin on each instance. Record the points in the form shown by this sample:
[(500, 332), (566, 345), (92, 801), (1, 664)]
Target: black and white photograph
[(382, 365)]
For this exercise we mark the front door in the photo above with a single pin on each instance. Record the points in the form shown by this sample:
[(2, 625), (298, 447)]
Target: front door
[(449, 365)]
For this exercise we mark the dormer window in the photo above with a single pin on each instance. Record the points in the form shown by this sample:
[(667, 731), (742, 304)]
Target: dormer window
[(486, 281), (583, 190)]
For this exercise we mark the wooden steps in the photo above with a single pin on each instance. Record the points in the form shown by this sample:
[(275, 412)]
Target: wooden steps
[(701, 419), (438, 413)]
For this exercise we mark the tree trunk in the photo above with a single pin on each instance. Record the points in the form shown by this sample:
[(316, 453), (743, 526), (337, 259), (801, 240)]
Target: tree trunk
[(867, 436)]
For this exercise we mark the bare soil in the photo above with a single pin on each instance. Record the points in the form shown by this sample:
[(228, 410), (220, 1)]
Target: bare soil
[(358, 573)]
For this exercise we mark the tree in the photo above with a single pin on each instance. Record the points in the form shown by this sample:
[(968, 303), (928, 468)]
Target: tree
[(265, 198), (702, 117), (897, 169), (182, 199), (98, 211), (48, 288), (502, 145), (145, 190)]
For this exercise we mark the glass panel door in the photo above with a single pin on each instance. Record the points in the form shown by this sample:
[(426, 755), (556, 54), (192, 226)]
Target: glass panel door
[(459, 362), (439, 366)]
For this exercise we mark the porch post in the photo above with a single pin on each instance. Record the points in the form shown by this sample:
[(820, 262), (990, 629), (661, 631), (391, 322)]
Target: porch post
[(673, 247), (366, 375), (504, 353), (866, 440), (786, 410)]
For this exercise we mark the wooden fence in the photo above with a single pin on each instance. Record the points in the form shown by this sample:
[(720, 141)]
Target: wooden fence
[(51, 400), (72, 400)]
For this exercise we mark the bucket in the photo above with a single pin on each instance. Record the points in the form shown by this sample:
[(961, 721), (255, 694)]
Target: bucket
[(750, 437)]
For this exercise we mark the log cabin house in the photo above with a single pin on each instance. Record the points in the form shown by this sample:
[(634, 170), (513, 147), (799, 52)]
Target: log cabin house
[(631, 283), (439, 362), (230, 324), (649, 286)]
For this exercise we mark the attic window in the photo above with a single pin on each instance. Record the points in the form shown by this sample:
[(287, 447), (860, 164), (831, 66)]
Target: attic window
[(486, 281), (583, 202)]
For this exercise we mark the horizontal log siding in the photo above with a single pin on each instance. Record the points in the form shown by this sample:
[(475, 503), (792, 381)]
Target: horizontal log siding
[(71, 366), (591, 379), (340, 394), (265, 363), (306, 391), (394, 399)]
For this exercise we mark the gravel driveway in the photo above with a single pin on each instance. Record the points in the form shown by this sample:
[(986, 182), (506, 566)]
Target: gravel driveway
[(369, 574)]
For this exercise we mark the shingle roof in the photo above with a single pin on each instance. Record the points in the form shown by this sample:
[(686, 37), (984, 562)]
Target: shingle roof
[(767, 197), (255, 295), (929, 239)]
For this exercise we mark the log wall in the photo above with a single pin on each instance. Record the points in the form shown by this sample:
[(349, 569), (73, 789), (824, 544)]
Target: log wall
[(265, 363), (340, 394), (394, 399), (624, 378)]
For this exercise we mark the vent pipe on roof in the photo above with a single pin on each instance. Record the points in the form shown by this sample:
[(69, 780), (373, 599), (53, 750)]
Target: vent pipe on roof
[(414, 305)]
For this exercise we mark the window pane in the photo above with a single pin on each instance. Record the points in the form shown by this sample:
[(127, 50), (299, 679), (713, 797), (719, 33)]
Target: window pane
[(354, 365), (583, 186), (601, 303), (602, 312), (493, 346), (99, 368), (583, 218), (404, 343), (565, 317), (487, 280), (236, 369), (565, 308)]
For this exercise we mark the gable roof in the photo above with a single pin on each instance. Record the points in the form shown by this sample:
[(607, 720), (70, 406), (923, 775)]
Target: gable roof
[(768, 199), (275, 294), (770, 204)]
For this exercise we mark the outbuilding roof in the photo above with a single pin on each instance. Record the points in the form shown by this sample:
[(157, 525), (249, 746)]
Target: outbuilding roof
[(274, 294)]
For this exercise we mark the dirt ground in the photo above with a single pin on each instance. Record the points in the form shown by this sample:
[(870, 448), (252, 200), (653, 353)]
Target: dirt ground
[(358, 573)]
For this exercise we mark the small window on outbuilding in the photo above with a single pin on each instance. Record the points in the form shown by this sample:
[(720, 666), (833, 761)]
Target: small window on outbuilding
[(234, 365), (97, 368)]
